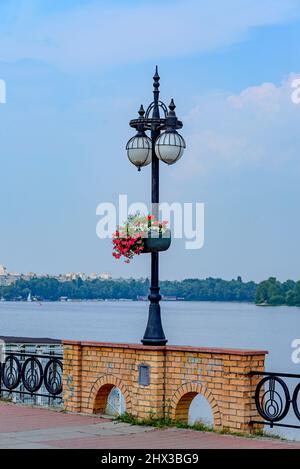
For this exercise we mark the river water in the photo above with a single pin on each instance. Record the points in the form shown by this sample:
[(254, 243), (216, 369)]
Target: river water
[(213, 324)]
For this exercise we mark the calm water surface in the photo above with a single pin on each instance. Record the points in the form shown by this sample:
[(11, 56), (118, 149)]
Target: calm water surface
[(185, 323)]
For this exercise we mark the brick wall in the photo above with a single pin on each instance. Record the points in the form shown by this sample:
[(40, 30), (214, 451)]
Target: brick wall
[(173, 376)]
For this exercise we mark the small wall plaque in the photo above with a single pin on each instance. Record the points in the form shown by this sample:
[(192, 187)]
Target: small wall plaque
[(144, 375)]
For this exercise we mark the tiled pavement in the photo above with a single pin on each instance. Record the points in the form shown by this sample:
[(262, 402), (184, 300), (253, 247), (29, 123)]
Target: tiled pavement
[(27, 427)]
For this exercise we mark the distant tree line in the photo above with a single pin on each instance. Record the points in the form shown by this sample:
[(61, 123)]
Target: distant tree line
[(269, 292), (272, 292), (50, 289), (210, 289)]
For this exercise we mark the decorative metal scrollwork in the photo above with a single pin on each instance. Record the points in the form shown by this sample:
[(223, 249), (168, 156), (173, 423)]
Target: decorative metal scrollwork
[(273, 403), (53, 377), (39, 375), (273, 398), (32, 374), (161, 105), (11, 372), (296, 395)]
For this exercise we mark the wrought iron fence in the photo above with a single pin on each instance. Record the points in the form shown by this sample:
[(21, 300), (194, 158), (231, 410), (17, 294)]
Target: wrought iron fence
[(275, 396), (32, 378)]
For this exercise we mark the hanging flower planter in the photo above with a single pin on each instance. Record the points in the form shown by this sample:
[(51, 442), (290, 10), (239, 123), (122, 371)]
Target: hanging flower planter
[(157, 242), (140, 234)]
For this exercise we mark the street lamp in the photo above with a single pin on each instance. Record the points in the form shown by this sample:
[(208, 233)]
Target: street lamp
[(139, 147), (170, 145), (165, 145)]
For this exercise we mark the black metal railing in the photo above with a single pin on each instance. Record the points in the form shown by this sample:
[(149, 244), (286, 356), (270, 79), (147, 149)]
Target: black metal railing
[(276, 394), (32, 375)]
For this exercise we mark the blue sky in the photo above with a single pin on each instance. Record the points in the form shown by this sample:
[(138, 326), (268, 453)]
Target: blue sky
[(76, 73)]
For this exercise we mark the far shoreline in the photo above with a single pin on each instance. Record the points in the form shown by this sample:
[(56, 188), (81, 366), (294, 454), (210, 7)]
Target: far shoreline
[(129, 300)]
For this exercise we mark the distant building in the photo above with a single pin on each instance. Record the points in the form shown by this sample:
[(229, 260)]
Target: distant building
[(105, 276), (93, 276), (71, 276), (8, 278), (28, 276), (3, 275), (83, 276)]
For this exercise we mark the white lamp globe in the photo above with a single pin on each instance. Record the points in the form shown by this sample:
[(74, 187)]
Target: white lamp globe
[(139, 150), (169, 147)]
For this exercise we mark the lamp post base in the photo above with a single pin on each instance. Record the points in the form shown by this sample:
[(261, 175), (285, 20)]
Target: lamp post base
[(154, 334), (155, 343)]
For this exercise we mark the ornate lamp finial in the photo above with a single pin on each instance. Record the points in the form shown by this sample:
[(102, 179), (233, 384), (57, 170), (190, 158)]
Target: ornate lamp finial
[(156, 86), (156, 77), (141, 111), (172, 108)]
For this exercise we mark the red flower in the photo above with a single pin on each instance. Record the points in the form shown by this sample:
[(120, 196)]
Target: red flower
[(126, 245)]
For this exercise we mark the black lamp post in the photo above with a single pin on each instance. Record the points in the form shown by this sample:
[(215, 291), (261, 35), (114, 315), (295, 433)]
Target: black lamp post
[(167, 145)]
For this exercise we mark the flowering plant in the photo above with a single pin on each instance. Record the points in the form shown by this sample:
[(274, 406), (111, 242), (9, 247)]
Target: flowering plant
[(128, 240)]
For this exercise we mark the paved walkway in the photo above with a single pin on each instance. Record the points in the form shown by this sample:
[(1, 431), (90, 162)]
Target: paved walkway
[(27, 427)]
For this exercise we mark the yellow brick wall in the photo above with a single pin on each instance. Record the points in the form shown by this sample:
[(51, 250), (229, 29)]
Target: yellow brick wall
[(177, 375)]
